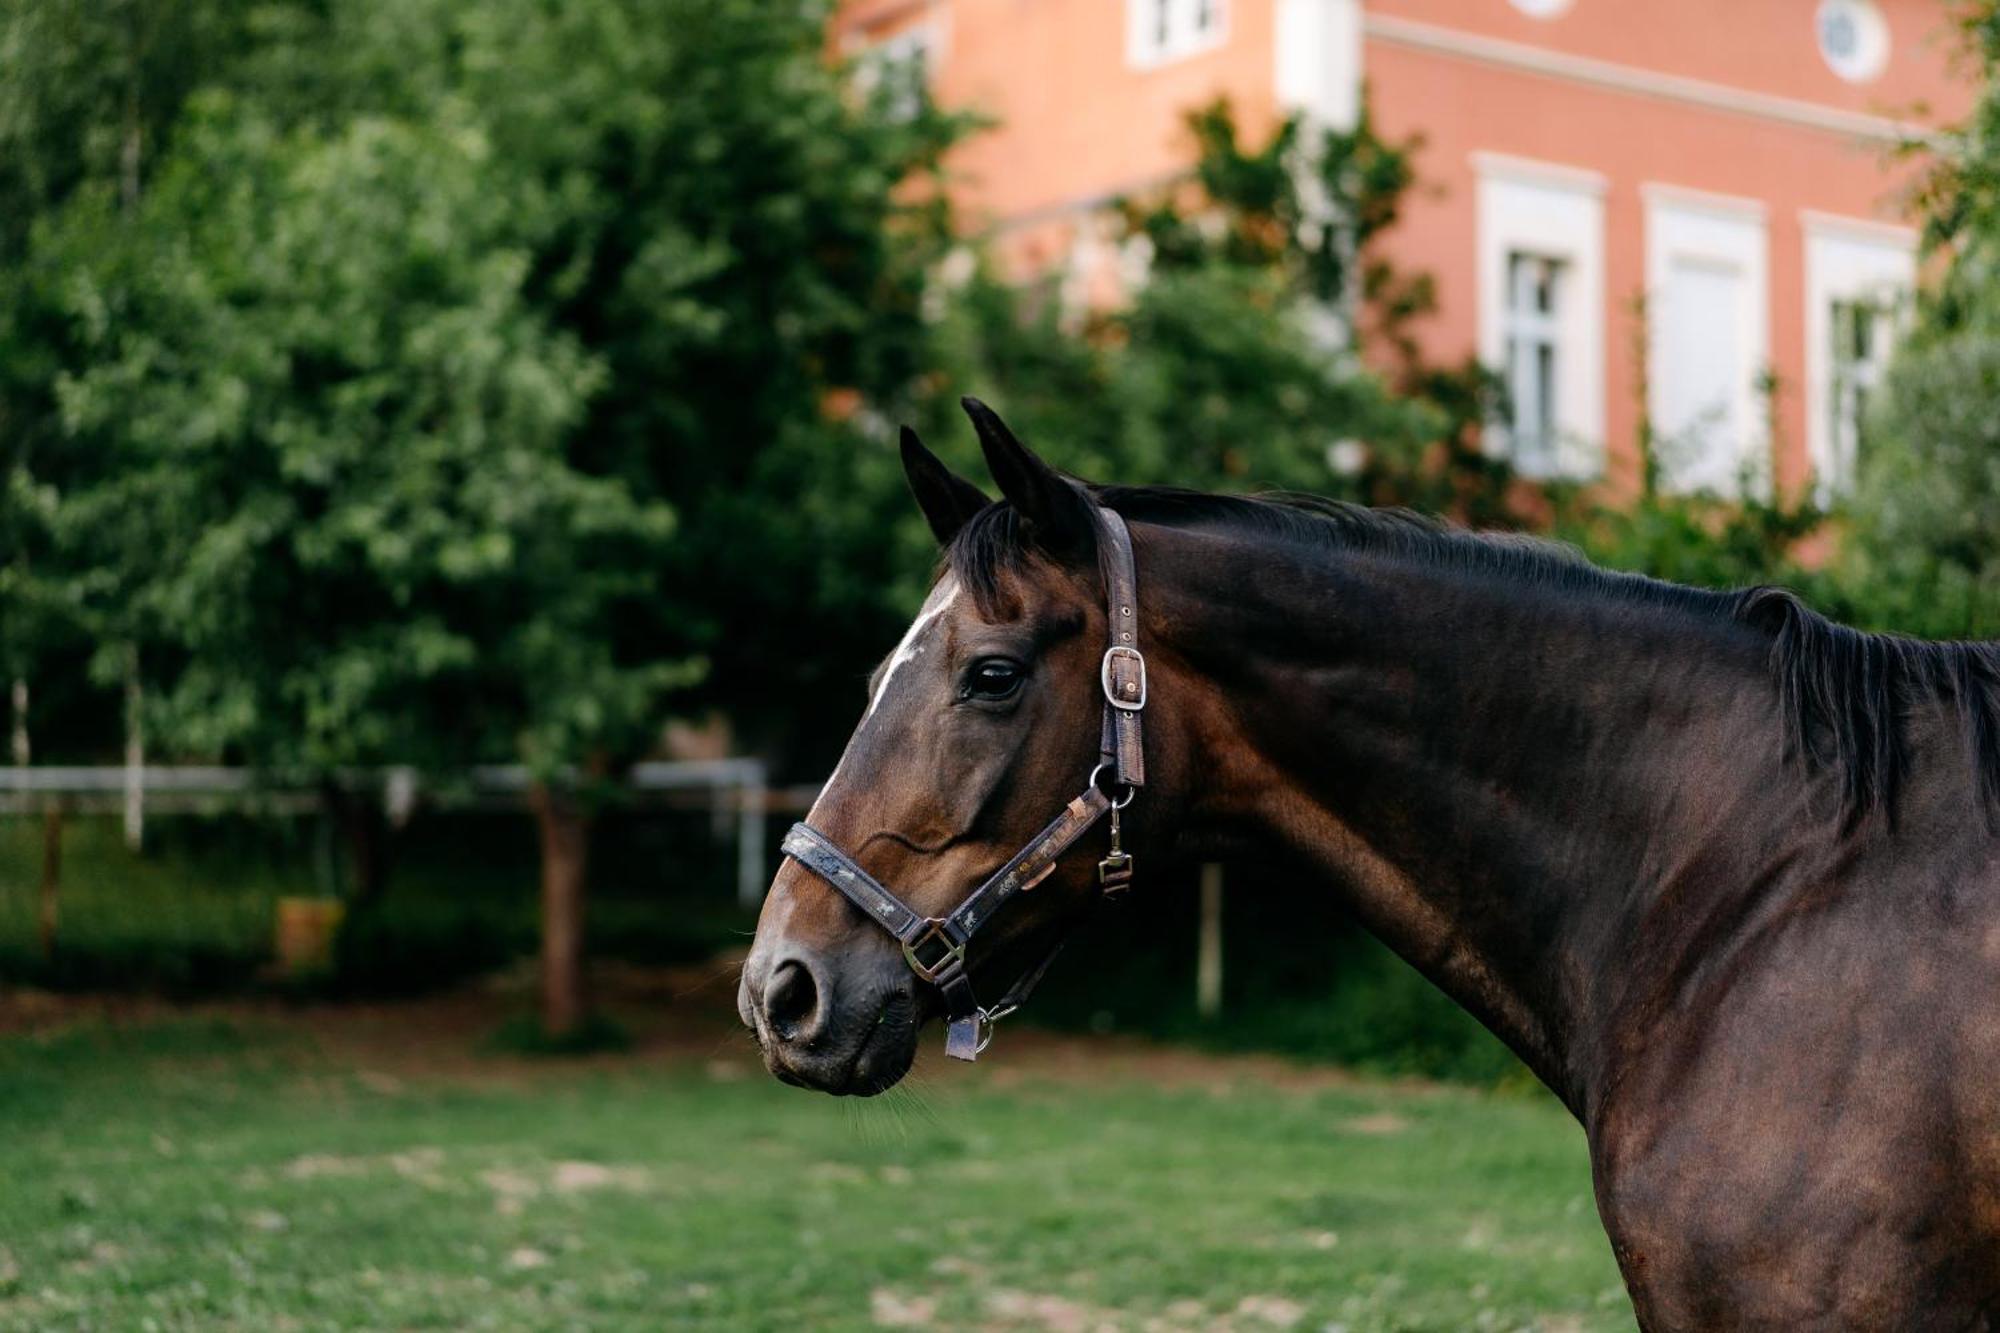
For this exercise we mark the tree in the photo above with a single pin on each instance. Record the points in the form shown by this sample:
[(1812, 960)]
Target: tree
[(1925, 555), (90, 92), (361, 426), (740, 238), (324, 469)]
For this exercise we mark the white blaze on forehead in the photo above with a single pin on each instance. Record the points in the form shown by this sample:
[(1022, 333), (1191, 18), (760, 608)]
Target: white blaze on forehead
[(912, 647)]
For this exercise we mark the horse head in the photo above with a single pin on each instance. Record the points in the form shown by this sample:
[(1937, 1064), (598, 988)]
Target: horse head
[(989, 715)]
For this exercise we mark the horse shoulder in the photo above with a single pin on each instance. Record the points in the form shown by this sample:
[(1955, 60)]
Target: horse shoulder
[(1811, 1135)]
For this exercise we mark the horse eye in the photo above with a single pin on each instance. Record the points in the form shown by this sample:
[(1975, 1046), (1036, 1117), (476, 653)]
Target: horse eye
[(993, 678)]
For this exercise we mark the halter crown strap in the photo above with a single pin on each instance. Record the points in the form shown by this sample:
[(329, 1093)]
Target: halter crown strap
[(1123, 672), (935, 946)]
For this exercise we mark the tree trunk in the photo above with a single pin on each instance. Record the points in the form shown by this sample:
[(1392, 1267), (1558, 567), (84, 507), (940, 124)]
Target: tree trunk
[(565, 838), (133, 142), (52, 822), (365, 832), (22, 751)]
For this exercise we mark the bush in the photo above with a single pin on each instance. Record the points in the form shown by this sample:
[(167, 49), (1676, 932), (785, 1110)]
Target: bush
[(1300, 977), (193, 915)]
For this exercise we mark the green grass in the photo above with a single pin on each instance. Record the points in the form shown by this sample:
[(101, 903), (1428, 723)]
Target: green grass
[(234, 1175)]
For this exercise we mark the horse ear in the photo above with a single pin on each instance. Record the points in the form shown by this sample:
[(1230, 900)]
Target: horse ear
[(1059, 513), (946, 498)]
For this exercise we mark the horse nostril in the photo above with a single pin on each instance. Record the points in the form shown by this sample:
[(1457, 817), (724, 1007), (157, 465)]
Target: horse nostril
[(790, 998)]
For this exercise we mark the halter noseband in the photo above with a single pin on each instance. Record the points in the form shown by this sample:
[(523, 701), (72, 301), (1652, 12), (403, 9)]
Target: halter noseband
[(935, 946)]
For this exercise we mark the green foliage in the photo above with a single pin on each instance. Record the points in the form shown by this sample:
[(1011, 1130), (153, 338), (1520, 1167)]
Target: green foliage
[(1300, 977), (90, 89), (1926, 557), (1927, 509), (361, 357), (743, 243), (1701, 540), (194, 921), (1958, 191), (321, 467), (193, 916), (1307, 202), (94, 87)]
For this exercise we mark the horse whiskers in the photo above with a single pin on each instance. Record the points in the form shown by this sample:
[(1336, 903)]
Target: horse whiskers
[(726, 971)]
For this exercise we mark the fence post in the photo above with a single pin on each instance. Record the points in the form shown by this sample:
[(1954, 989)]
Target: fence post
[(135, 757), (752, 799), (1208, 953)]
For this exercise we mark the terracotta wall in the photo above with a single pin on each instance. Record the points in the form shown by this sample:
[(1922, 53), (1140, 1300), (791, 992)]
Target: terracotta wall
[(1461, 105), (1077, 123), (1767, 45)]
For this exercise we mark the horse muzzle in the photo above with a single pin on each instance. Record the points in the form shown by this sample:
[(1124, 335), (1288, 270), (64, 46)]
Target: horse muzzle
[(845, 1035)]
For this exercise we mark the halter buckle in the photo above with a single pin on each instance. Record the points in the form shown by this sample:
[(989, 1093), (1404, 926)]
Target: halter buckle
[(934, 934), (1125, 689)]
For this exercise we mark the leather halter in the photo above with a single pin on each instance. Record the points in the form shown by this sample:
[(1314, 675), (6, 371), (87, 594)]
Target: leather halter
[(935, 946)]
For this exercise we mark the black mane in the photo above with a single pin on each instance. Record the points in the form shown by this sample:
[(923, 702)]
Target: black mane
[(1846, 692)]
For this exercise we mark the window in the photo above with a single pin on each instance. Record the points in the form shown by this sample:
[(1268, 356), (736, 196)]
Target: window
[(1853, 38), (1534, 345), (1858, 279), (1541, 312), (1158, 31), (1860, 354), (1318, 60), (901, 67), (1708, 341)]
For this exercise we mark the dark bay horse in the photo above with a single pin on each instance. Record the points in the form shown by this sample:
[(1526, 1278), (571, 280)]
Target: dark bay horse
[(1724, 874)]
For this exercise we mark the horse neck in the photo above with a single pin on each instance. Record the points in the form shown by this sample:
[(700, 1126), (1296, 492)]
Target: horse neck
[(1506, 778)]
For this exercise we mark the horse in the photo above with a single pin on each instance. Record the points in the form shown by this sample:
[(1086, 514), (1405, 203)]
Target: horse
[(1724, 874)]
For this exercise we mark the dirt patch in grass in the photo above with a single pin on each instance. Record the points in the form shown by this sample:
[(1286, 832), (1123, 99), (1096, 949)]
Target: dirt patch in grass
[(676, 1016)]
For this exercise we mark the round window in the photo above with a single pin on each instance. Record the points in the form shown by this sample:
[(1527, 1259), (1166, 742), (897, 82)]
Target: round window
[(1853, 38)]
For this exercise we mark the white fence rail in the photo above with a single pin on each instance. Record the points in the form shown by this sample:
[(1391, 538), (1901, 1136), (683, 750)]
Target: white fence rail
[(736, 788)]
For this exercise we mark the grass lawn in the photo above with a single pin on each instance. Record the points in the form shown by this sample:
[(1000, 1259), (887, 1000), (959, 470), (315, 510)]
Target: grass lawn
[(262, 1168)]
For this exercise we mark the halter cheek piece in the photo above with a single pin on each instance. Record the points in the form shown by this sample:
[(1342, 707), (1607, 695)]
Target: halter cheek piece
[(935, 946)]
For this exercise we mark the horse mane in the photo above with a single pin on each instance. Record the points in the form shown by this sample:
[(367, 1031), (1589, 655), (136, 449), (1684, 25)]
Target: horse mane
[(1846, 692)]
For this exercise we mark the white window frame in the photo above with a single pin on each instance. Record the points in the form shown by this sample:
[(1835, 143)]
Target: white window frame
[(1145, 48), (1725, 231), (1555, 212), (923, 41), (1316, 60), (1848, 260)]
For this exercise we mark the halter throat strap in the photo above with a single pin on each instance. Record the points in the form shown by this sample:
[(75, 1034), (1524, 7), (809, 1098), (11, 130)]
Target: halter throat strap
[(935, 946)]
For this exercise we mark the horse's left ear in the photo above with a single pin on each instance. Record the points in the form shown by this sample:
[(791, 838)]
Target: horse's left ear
[(1060, 515), (946, 498)]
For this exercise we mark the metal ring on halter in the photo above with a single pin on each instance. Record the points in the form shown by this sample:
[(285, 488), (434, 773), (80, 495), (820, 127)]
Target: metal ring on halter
[(983, 1021), (1130, 790)]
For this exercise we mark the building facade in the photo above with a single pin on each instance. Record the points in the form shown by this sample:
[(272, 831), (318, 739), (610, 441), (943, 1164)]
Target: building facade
[(1686, 217)]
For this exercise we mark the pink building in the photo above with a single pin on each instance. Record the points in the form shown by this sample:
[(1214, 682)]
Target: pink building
[(1687, 212)]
